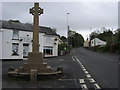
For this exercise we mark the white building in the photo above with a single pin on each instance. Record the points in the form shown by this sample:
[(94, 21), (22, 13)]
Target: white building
[(86, 43), (16, 40), (97, 42)]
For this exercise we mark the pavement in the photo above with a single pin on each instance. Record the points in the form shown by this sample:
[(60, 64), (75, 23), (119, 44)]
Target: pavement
[(83, 69)]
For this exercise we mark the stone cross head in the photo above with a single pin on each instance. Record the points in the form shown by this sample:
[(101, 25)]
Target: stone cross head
[(36, 10)]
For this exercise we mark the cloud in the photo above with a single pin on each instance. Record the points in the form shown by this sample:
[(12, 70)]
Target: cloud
[(83, 15)]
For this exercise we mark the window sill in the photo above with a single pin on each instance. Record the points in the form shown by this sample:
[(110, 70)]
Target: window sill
[(14, 55), (15, 39), (25, 56)]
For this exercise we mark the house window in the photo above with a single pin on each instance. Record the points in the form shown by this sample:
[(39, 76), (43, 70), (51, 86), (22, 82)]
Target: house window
[(25, 50), (15, 34), (15, 47), (48, 50)]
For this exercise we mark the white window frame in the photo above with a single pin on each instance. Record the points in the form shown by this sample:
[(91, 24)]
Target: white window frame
[(48, 48), (15, 34), (15, 50)]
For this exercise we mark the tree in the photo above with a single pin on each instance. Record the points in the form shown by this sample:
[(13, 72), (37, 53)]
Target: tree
[(63, 38), (93, 35), (106, 35), (62, 47), (75, 39), (118, 42), (113, 40)]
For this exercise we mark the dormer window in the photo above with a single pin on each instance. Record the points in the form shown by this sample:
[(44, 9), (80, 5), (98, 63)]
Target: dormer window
[(15, 34)]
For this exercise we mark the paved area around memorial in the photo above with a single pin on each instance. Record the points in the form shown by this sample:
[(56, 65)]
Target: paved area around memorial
[(82, 69)]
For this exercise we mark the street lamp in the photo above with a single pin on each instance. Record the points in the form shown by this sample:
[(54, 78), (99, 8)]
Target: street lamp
[(67, 31), (67, 21)]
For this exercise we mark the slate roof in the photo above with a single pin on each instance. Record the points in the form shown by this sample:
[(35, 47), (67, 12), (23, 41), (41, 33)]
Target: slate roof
[(24, 27)]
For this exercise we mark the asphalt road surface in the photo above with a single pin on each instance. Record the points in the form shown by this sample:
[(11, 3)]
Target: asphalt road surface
[(82, 69)]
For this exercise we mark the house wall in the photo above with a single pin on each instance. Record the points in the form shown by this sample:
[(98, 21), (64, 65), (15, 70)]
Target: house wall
[(55, 45), (6, 44), (96, 42), (25, 37), (41, 41), (49, 41), (86, 43), (92, 42), (0, 44)]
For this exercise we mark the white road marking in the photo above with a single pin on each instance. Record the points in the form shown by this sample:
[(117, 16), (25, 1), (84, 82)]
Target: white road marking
[(84, 69), (81, 65), (81, 81), (91, 80), (88, 75), (78, 60), (73, 58), (97, 86), (86, 72), (83, 86)]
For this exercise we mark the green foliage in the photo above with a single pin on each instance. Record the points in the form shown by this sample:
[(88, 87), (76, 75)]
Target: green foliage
[(118, 42), (63, 38), (93, 35), (76, 40), (113, 41), (105, 36), (62, 47)]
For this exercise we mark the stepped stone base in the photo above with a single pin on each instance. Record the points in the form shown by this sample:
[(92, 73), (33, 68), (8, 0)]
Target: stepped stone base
[(34, 67), (41, 68), (35, 62)]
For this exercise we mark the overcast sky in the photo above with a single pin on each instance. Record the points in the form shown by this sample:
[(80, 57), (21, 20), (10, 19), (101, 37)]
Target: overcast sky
[(82, 17)]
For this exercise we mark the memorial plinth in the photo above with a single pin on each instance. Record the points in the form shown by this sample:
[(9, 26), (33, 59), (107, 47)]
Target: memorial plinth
[(34, 65)]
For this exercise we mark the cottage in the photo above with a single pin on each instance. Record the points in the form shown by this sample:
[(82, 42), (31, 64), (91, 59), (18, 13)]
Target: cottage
[(97, 42), (16, 40), (86, 43)]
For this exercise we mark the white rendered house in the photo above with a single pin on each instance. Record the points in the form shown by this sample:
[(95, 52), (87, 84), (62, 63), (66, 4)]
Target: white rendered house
[(97, 42), (16, 40), (86, 43)]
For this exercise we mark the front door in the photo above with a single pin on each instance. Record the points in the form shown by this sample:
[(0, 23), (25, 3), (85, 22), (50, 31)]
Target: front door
[(25, 50)]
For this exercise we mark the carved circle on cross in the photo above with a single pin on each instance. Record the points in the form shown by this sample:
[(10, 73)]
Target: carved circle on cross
[(32, 10), (39, 11)]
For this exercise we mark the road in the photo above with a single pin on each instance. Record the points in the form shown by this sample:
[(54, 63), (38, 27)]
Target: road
[(103, 67), (82, 69)]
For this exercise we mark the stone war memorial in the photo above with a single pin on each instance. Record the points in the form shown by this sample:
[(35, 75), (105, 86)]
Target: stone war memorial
[(34, 66)]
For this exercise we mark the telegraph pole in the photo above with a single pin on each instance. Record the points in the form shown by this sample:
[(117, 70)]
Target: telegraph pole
[(90, 37)]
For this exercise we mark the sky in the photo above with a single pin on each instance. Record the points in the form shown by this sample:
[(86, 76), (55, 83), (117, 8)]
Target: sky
[(82, 17)]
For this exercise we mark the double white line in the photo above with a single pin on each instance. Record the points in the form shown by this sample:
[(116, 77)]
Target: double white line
[(82, 84), (81, 81)]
